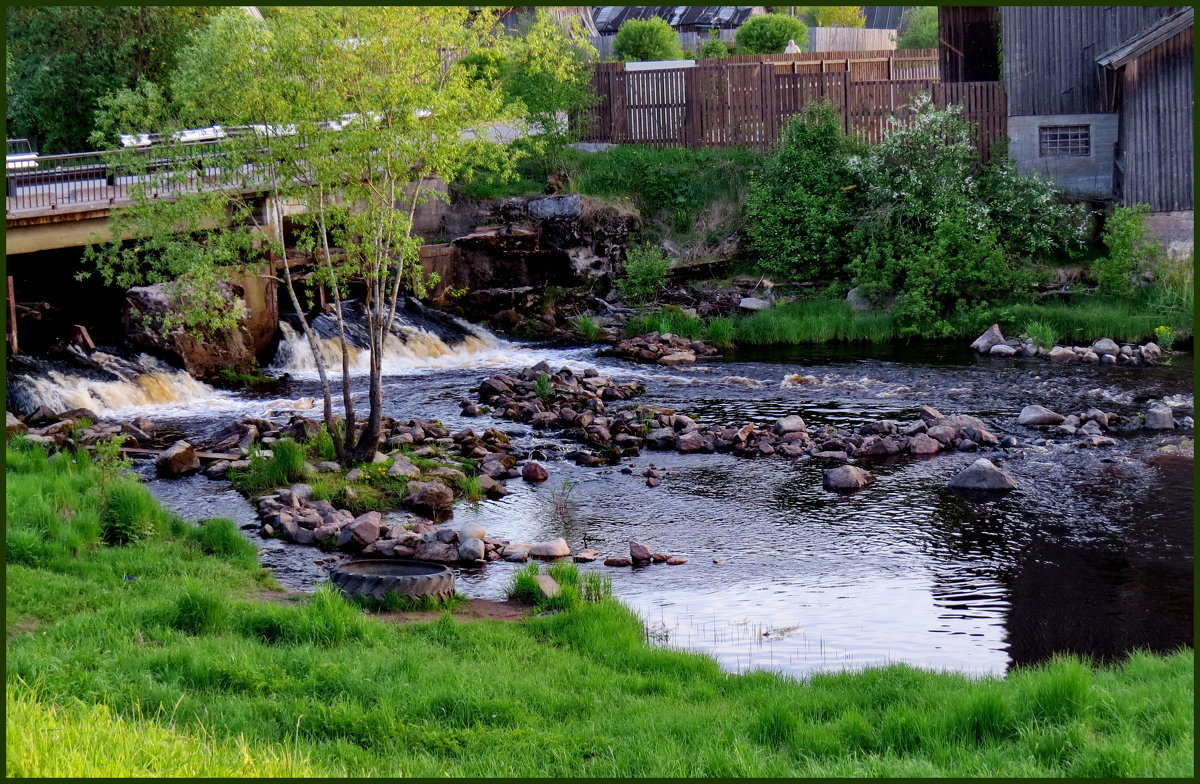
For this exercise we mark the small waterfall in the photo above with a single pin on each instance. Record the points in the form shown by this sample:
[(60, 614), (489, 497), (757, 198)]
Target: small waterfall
[(420, 339), (103, 383)]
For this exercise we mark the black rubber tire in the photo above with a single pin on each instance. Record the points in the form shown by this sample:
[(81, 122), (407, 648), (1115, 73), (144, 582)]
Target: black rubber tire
[(439, 584)]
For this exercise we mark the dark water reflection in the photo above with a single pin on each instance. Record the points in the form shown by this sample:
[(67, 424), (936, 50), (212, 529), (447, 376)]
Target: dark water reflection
[(1092, 554)]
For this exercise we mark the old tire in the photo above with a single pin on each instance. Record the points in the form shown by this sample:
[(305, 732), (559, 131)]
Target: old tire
[(375, 578)]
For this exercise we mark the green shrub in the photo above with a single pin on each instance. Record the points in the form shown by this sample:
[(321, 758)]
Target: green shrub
[(199, 610), (770, 34), (542, 387), (918, 28), (803, 205), (283, 467), (719, 332), (1165, 337), (523, 587), (1042, 334), (668, 319), (713, 48), (220, 537), (647, 39), (1129, 243), (130, 514), (646, 268), (588, 328), (321, 447)]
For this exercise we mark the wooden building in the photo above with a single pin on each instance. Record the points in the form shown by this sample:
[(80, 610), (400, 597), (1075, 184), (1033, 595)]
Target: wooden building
[(1099, 97)]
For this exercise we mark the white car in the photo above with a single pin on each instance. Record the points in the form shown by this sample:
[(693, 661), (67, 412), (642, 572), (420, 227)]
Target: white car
[(210, 134), (18, 155)]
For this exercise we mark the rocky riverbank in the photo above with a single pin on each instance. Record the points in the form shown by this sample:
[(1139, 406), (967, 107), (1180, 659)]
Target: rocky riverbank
[(1104, 351)]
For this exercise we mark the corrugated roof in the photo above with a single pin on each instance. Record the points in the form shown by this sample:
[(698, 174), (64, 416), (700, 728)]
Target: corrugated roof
[(883, 17), (1156, 34)]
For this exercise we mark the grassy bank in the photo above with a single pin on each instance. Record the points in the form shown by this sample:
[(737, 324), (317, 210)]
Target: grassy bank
[(169, 655)]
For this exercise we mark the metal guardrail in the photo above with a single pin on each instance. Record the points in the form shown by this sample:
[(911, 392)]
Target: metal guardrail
[(72, 180)]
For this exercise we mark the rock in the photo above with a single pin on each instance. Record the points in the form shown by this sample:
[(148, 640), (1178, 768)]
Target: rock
[(678, 358), (217, 470), (1063, 355), (552, 207), (691, 442), (857, 301), (40, 416), (557, 548), (471, 549), (922, 444), (1151, 353), (354, 475), (1106, 346), (1002, 350), (983, 475), (639, 551), (179, 459), (328, 467), (441, 552), (617, 562), (846, 477), (547, 585), (676, 560), (1039, 415), (586, 556), (789, 424), (533, 472), (753, 303), (365, 528), (431, 497), (471, 531), (653, 481), (993, 337), (1160, 418), (14, 425), (402, 467)]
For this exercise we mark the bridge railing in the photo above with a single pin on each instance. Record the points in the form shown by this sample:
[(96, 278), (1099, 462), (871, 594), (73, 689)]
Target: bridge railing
[(74, 180)]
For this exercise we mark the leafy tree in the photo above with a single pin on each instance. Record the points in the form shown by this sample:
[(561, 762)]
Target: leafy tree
[(918, 28), (838, 16), (802, 207), (405, 111), (63, 60), (647, 39), (769, 34)]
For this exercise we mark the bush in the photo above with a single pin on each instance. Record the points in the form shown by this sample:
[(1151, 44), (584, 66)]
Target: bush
[(803, 205), (646, 268), (1042, 334), (588, 328), (199, 610), (321, 447), (1129, 243), (770, 34), (220, 537), (647, 39), (714, 48), (283, 467)]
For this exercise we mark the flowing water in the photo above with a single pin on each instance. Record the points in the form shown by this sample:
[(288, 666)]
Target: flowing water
[(1092, 554)]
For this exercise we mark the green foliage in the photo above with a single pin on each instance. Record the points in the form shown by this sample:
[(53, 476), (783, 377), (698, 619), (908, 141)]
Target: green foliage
[(803, 204), (814, 321), (321, 447), (1029, 213), (719, 332), (106, 454), (588, 328), (200, 609), (931, 235), (1164, 336), (1129, 244), (713, 48), (219, 537), (542, 387), (918, 28), (838, 16), (647, 39), (130, 514), (468, 487), (64, 61), (395, 602), (646, 268), (1042, 334), (770, 34), (283, 467), (523, 586)]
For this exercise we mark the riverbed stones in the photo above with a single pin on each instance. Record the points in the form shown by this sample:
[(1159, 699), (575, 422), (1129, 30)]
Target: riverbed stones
[(471, 549), (618, 561), (14, 425), (1039, 415), (789, 424), (432, 497), (922, 444), (678, 358), (401, 467), (534, 472), (846, 477), (1106, 346), (753, 304), (1151, 353), (586, 556), (1063, 355), (983, 475), (992, 337), (177, 460), (1002, 350), (639, 551), (365, 528), (557, 548), (1160, 418)]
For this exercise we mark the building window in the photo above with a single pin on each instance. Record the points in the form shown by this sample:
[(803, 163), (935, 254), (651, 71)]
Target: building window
[(1069, 140)]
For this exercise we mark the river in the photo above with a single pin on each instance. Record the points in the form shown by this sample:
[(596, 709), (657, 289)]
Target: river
[(1093, 554)]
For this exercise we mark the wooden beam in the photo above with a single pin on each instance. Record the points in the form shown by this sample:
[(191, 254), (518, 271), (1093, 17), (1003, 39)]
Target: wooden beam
[(11, 332)]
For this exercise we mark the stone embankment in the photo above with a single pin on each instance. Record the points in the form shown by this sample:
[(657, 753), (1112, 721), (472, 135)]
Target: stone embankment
[(1104, 351), (663, 349)]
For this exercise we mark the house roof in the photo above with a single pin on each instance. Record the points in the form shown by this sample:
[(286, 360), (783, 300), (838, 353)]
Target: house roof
[(609, 18), (1161, 31), (883, 17)]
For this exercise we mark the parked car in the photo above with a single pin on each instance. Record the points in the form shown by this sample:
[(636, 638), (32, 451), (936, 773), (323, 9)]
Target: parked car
[(19, 155)]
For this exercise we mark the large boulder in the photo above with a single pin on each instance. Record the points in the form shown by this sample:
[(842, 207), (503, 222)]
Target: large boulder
[(789, 424), (429, 497), (533, 472), (753, 304), (1160, 418), (1106, 346), (177, 460), (558, 548), (983, 475), (1039, 415), (846, 477), (921, 444), (993, 337), (14, 425), (471, 549), (145, 307), (365, 528)]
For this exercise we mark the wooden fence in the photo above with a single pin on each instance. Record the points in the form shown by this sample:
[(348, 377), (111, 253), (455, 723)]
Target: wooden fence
[(750, 104)]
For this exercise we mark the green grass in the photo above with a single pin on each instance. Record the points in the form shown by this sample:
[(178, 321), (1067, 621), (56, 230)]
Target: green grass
[(186, 670), (282, 468), (813, 321), (588, 328), (1042, 334)]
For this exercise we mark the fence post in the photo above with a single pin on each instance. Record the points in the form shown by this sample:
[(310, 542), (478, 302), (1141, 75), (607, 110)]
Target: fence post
[(846, 103)]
